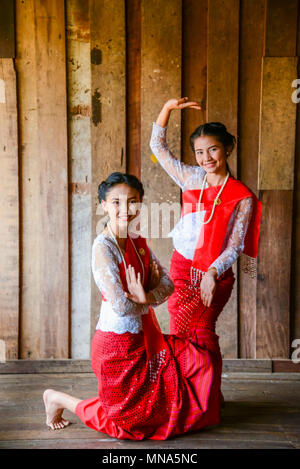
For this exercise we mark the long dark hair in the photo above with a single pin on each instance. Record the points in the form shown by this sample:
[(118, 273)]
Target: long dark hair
[(119, 178), (215, 129)]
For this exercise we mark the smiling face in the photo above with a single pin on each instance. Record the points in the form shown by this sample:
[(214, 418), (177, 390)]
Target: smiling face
[(210, 154), (121, 206)]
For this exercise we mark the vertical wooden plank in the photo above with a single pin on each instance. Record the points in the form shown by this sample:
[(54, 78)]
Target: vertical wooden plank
[(161, 80), (252, 19), (222, 106), (277, 124), (273, 289), (7, 29), (108, 121), (43, 135), (9, 211), (295, 255), (133, 88), (79, 139), (194, 69)]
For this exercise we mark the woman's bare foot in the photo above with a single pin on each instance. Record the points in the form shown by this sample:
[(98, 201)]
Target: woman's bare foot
[(54, 410)]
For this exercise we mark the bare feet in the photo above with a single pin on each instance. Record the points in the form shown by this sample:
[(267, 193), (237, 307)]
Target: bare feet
[(54, 410)]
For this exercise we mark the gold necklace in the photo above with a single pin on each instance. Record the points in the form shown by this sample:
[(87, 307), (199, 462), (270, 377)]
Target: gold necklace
[(217, 201), (120, 251)]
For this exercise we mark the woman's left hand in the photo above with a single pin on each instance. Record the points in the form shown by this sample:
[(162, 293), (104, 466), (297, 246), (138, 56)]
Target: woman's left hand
[(208, 287), (135, 287)]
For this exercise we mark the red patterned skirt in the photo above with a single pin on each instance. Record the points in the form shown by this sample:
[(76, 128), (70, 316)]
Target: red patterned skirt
[(176, 392)]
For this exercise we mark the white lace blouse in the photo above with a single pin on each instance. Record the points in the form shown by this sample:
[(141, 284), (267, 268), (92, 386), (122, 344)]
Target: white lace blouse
[(119, 314), (186, 232)]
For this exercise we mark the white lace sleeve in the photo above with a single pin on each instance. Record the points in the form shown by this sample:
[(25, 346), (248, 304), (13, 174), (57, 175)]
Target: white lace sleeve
[(235, 244), (105, 267), (165, 287), (178, 171)]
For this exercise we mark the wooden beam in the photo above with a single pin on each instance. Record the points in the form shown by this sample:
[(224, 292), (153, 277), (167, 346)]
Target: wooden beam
[(194, 69), (161, 80), (41, 65), (273, 287), (252, 20), (7, 29), (222, 106), (79, 140), (9, 212), (133, 82), (108, 121)]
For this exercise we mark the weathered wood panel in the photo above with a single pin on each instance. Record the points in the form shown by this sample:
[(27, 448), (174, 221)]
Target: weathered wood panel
[(273, 288), (7, 29), (222, 106), (252, 18), (133, 82), (277, 124), (79, 143), (194, 70), (161, 80), (9, 212), (295, 255), (108, 120), (43, 136)]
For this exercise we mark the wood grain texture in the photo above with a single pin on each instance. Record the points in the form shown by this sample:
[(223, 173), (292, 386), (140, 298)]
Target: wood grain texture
[(108, 94), (222, 106), (261, 411), (252, 19), (273, 286), (277, 124), (9, 212), (274, 268), (41, 66), (194, 70), (133, 86), (295, 255), (79, 145), (7, 29), (161, 80)]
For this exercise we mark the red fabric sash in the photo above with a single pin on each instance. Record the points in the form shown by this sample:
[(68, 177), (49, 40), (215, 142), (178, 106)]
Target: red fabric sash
[(154, 339), (212, 234)]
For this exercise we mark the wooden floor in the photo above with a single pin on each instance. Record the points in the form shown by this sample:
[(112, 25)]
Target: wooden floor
[(262, 411)]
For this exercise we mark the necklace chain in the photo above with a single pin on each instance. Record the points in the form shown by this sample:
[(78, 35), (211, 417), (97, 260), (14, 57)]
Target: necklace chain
[(216, 201), (139, 258)]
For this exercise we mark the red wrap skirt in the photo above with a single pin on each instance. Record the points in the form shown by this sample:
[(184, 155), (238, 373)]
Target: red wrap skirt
[(175, 392)]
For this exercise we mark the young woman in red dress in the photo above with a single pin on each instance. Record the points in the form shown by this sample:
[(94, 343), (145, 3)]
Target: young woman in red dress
[(150, 385), (220, 221)]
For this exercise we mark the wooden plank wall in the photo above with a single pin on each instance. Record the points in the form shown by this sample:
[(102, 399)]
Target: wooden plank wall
[(79, 90)]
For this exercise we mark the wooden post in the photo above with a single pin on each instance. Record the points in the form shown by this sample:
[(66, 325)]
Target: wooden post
[(161, 80), (41, 73), (108, 120), (9, 211), (273, 289), (252, 16), (79, 125), (222, 106)]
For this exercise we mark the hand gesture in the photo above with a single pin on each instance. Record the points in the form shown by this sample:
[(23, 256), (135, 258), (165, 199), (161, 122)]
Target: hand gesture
[(135, 287), (154, 276), (182, 103), (207, 288)]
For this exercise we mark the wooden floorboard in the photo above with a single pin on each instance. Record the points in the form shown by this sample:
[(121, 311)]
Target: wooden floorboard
[(262, 411)]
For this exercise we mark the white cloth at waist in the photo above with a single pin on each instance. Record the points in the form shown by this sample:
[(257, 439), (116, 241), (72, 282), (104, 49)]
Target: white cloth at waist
[(110, 321)]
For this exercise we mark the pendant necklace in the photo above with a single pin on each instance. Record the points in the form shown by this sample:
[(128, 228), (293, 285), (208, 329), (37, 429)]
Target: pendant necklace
[(120, 251), (217, 201)]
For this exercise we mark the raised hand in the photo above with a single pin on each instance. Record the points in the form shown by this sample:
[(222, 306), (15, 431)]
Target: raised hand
[(182, 103), (135, 287)]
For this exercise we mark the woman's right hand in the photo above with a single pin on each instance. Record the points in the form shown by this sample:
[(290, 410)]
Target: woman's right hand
[(181, 103)]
